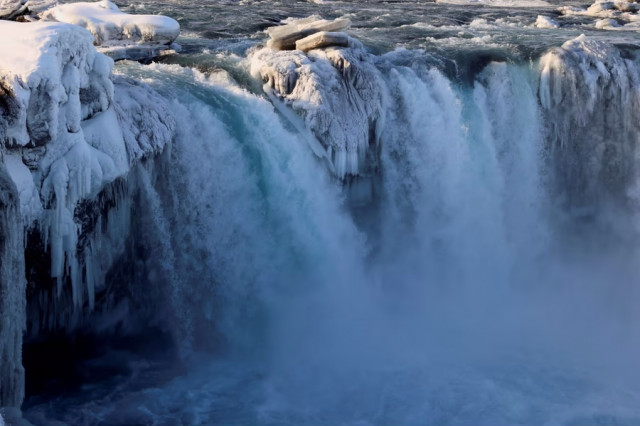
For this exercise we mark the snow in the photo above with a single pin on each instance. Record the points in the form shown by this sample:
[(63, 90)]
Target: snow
[(113, 29), (546, 22), (336, 91)]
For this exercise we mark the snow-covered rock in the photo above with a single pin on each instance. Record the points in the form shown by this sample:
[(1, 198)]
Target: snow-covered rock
[(546, 22), (52, 78), (12, 9), (338, 93), (285, 37), (115, 31)]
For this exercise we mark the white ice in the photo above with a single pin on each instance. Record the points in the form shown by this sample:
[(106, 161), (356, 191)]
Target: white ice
[(546, 23)]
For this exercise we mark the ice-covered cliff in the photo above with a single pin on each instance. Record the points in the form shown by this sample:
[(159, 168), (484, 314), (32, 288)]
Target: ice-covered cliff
[(338, 93), (589, 94), (69, 132)]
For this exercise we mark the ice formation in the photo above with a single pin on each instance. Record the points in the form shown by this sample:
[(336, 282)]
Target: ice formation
[(120, 34), (546, 22), (337, 92), (68, 132), (587, 84)]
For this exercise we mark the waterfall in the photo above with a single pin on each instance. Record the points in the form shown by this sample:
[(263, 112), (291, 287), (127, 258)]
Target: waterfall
[(492, 264)]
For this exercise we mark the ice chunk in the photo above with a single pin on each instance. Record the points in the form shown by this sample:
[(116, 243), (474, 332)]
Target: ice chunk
[(285, 37), (607, 23), (113, 29), (546, 22), (321, 40)]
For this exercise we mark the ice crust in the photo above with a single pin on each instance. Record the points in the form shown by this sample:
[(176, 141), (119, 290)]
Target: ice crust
[(117, 32)]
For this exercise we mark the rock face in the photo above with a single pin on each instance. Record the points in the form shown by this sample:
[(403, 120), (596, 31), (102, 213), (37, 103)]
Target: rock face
[(117, 32), (69, 131), (285, 37)]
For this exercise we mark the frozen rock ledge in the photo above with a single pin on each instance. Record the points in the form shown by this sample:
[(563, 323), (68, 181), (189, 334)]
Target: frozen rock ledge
[(119, 34)]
